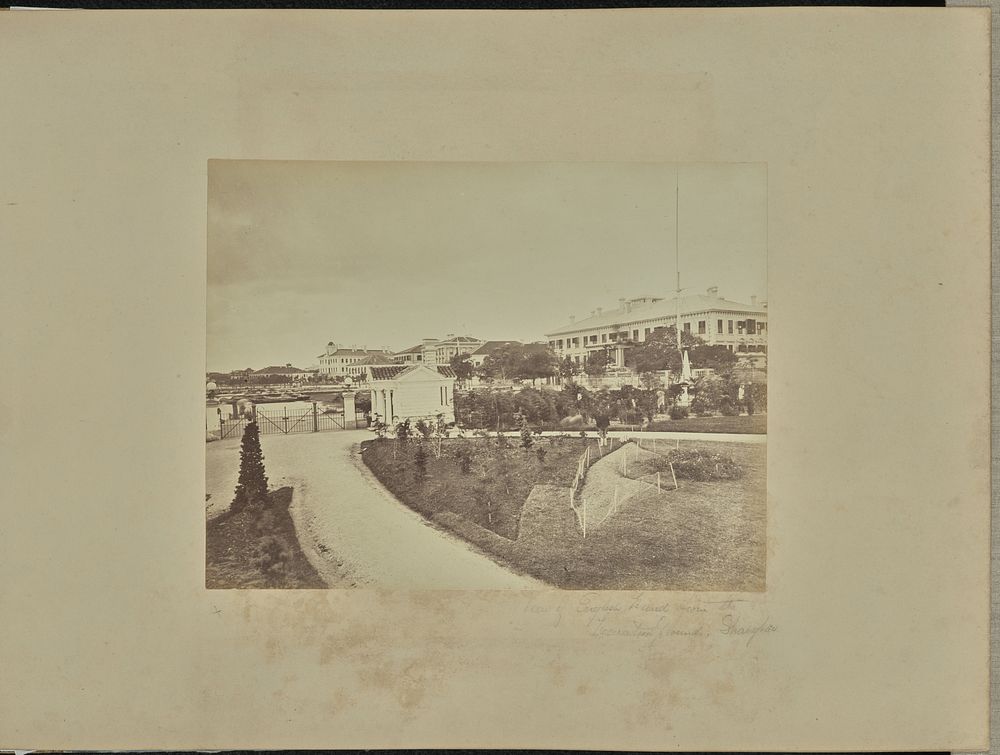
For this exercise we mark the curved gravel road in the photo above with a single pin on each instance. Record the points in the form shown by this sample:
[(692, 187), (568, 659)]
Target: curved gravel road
[(353, 530)]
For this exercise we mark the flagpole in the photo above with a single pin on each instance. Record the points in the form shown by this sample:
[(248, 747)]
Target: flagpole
[(677, 251)]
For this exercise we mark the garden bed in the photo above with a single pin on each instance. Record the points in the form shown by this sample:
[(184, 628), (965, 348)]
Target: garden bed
[(492, 493), (708, 535), (257, 548)]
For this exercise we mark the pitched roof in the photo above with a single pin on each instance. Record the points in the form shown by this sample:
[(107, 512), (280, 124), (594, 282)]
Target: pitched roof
[(375, 359), (276, 368), (387, 373), (459, 339), (353, 353), (491, 346), (401, 370), (412, 349), (664, 308)]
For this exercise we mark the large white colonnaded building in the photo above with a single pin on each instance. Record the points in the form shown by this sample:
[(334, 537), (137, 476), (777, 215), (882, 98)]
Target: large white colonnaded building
[(740, 327), (414, 392)]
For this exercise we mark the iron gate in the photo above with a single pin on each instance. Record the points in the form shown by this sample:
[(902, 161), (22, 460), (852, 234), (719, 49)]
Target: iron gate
[(285, 422)]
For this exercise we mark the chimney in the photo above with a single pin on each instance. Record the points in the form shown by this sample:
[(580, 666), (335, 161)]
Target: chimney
[(621, 303), (331, 347), (713, 291), (364, 347), (288, 364), (753, 301), (572, 319), (628, 306)]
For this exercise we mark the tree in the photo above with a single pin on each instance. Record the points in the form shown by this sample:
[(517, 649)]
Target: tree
[(251, 488), (716, 357), (504, 363), (462, 364), (646, 401), (597, 362), (539, 362), (567, 367), (659, 351)]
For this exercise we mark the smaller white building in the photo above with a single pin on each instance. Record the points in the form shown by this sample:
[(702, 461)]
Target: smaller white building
[(412, 392)]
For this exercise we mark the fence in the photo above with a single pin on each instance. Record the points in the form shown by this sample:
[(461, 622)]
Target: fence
[(581, 474), (285, 422), (613, 487)]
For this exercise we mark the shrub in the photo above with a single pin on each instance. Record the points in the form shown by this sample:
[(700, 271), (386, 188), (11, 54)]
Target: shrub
[(251, 488), (540, 453), (464, 461), (727, 408), (527, 437), (679, 412), (703, 465), (701, 405), (403, 431), (420, 462), (425, 429), (271, 555)]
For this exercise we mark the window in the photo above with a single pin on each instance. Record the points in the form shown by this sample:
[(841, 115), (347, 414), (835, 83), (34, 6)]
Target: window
[(635, 335), (687, 327), (560, 343), (701, 327), (604, 337), (593, 339), (752, 327), (740, 325), (646, 334), (730, 327), (719, 327)]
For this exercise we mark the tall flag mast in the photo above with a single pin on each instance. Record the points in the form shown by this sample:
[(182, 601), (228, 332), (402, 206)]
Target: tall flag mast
[(677, 251)]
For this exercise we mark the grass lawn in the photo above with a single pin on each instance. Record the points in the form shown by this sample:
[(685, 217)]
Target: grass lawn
[(234, 544), (755, 424), (705, 536)]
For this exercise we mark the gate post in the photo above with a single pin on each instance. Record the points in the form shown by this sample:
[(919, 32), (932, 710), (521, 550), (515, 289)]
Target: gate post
[(315, 422), (349, 410)]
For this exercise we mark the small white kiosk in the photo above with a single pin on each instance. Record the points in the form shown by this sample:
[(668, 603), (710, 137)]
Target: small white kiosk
[(412, 392)]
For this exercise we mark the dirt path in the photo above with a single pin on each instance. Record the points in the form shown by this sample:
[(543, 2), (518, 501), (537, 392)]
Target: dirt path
[(353, 530)]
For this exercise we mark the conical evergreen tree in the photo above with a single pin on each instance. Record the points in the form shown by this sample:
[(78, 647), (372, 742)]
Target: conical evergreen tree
[(252, 486)]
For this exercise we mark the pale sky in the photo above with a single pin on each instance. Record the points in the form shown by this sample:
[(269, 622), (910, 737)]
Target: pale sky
[(385, 254)]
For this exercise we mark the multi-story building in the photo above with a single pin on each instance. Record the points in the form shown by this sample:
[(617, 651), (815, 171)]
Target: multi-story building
[(433, 351), (742, 328), (341, 361)]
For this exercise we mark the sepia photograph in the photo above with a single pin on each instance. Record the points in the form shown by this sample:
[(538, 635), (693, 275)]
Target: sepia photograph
[(486, 375)]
